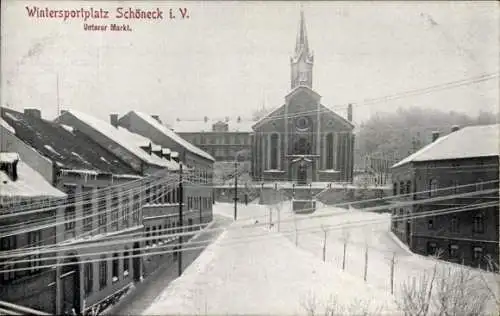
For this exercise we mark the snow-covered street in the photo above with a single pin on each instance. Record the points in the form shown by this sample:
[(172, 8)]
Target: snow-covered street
[(254, 269)]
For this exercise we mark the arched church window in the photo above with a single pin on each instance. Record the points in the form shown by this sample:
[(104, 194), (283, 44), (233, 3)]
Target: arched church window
[(274, 151), (302, 146), (329, 151)]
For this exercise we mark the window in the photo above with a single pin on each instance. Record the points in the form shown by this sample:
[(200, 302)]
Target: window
[(136, 209), (274, 151), (89, 278), (69, 212), (190, 223), (227, 141), (154, 235), (478, 223), (125, 210), (154, 197), (35, 240), (87, 209), (126, 262), (433, 187), (455, 185), (401, 187), (477, 253), (147, 197), (408, 186), (479, 185), (395, 188), (103, 272), (103, 219), (431, 248), (329, 151), (454, 224), (430, 223), (116, 267), (453, 251), (148, 229)]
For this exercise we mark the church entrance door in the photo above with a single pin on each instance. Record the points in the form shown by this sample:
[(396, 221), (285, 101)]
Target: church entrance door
[(302, 175)]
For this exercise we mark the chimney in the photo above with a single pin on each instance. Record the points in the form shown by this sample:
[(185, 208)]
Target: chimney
[(33, 113), (455, 128), (435, 135), (349, 112), (157, 150), (157, 118), (205, 119), (113, 120), (239, 119)]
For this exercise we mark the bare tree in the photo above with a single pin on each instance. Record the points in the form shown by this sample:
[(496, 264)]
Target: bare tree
[(333, 307), (445, 291)]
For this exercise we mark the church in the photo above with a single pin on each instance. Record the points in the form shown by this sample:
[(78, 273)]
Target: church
[(303, 141)]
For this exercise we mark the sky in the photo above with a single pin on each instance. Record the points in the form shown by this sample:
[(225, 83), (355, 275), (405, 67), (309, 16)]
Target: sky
[(231, 58)]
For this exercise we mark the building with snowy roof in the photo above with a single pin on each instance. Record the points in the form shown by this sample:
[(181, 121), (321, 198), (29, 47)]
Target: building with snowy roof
[(149, 154), (227, 139), (459, 173), (108, 194), (21, 189), (198, 164)]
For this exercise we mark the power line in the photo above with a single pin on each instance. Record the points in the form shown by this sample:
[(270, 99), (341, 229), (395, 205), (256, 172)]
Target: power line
[(245, 240)]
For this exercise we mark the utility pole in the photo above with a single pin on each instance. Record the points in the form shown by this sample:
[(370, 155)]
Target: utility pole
[(181, 201), (235, 190)]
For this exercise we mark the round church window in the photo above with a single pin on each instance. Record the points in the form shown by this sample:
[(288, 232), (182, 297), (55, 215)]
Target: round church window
[(302, 123)]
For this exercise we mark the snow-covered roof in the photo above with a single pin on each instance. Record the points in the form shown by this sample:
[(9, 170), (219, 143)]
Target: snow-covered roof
[(173, 136), (28, 184), (128, 140), (468, 142), (197, 126), (69, 150), (7, 126), (8, 157)]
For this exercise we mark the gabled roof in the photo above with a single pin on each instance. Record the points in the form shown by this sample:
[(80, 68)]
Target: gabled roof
[(130, 141), (172, 135), (69, 149), (468, 142), (323, 109), (29, 183), (198, 126)]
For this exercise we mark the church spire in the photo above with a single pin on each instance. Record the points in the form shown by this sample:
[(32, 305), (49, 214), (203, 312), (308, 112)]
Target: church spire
[(302, 61), (302, 45)]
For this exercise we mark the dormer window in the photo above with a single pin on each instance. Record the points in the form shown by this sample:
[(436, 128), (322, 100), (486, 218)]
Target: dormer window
[(8, 164)]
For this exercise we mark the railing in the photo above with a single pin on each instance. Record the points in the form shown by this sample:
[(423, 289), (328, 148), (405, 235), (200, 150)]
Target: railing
[(14, 309)]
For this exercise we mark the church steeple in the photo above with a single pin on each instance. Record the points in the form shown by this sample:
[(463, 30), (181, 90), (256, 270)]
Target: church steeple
[(303, 59)]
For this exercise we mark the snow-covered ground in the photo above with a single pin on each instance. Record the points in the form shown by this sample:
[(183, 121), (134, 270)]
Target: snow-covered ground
[(256, 269), (250, 270)]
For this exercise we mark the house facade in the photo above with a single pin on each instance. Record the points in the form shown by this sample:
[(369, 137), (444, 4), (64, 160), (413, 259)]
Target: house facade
[(115, 187), (303, 140), (463, 166), (226, 140), (30, 281)]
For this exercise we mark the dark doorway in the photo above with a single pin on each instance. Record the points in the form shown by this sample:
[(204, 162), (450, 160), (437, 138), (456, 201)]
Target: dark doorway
[(136, 262), (302, 175), (70, 280)]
